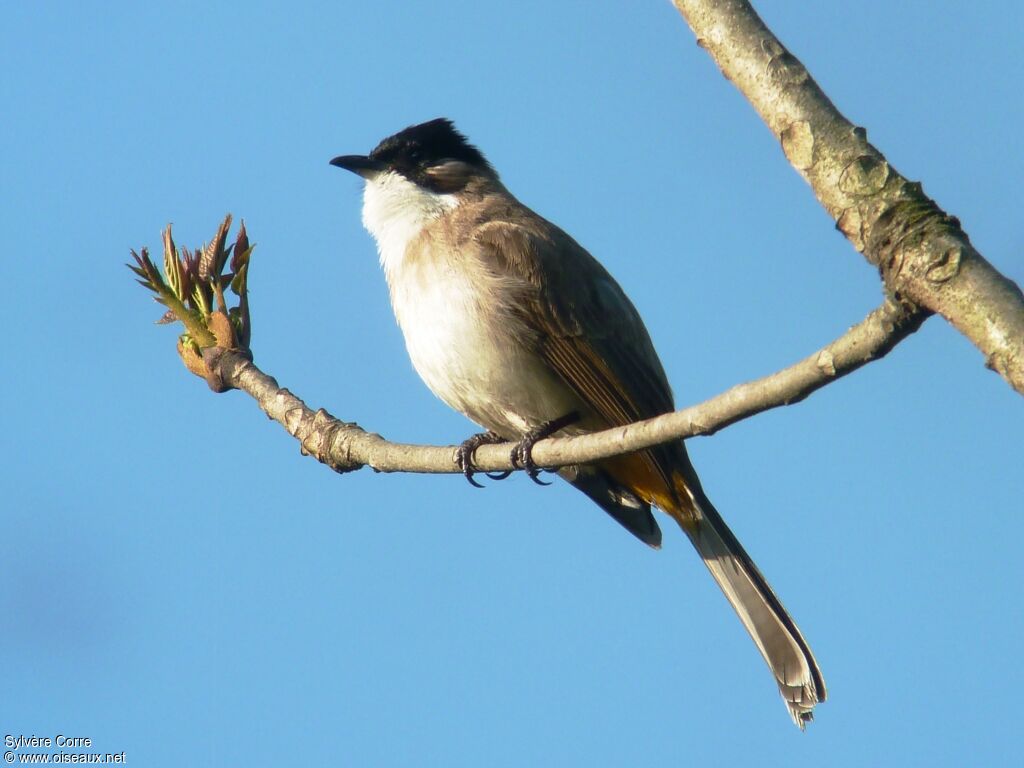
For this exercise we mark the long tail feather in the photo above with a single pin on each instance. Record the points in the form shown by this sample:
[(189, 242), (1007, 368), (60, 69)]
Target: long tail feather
[(762, 613)]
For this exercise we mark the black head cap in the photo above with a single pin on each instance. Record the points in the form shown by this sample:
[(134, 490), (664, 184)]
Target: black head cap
[(432, 154), (428, 144)]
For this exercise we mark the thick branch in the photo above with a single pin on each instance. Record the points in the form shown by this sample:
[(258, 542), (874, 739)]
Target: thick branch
[(922, 253), (345, 447)]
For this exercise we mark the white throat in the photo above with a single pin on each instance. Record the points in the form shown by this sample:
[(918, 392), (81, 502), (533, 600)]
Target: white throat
[(395, 210)]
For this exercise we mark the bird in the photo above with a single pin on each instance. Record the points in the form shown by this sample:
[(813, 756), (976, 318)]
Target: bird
[(508, 320)]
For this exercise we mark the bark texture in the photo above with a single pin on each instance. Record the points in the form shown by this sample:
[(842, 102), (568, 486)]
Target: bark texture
[(921, 252)]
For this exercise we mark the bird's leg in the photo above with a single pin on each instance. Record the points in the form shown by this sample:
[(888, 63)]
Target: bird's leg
[(522, 454), (464, 456)]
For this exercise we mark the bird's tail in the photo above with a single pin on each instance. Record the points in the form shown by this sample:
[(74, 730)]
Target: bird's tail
[(762, 613), (666, 479)]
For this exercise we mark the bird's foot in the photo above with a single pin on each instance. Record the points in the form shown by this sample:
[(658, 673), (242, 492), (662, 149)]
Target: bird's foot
[(464, 456), (522, 454)]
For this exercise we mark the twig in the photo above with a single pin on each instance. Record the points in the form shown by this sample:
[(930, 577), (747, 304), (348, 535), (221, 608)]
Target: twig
[(345, 446)]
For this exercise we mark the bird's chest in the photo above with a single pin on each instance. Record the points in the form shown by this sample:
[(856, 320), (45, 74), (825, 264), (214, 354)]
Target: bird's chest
[(470, 351), (439, 310), (453, 343)]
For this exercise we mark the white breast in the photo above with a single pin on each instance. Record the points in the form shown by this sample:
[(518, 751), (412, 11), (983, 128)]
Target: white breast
[(395, 211), (467, 357)]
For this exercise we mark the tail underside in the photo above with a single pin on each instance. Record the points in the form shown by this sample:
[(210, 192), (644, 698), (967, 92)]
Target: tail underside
[(665, 478), (769, 624)]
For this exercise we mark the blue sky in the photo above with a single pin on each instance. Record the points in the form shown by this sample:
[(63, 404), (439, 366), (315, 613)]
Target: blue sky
[(179, 583)]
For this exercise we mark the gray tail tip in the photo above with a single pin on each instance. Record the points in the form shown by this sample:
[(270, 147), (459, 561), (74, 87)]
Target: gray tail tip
[(803, 718), (802, 708)]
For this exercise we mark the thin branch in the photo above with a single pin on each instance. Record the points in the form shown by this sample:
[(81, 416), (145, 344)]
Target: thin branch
[(345, 446), (922, 253)]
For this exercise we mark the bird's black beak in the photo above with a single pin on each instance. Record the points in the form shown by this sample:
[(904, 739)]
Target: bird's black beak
[(360, 164)]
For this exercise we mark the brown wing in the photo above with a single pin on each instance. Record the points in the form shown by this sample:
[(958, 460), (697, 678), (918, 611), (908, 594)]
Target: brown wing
[(590, 333)]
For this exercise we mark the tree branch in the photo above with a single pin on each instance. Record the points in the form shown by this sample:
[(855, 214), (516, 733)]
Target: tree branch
[(345, 446), (921, 252)]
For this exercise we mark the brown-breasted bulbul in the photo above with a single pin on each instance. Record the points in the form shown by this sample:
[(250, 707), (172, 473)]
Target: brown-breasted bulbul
[(508, 320)]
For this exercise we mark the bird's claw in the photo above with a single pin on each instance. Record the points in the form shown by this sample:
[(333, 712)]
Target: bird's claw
[(522, 454), (522, 458), (464, 456)]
